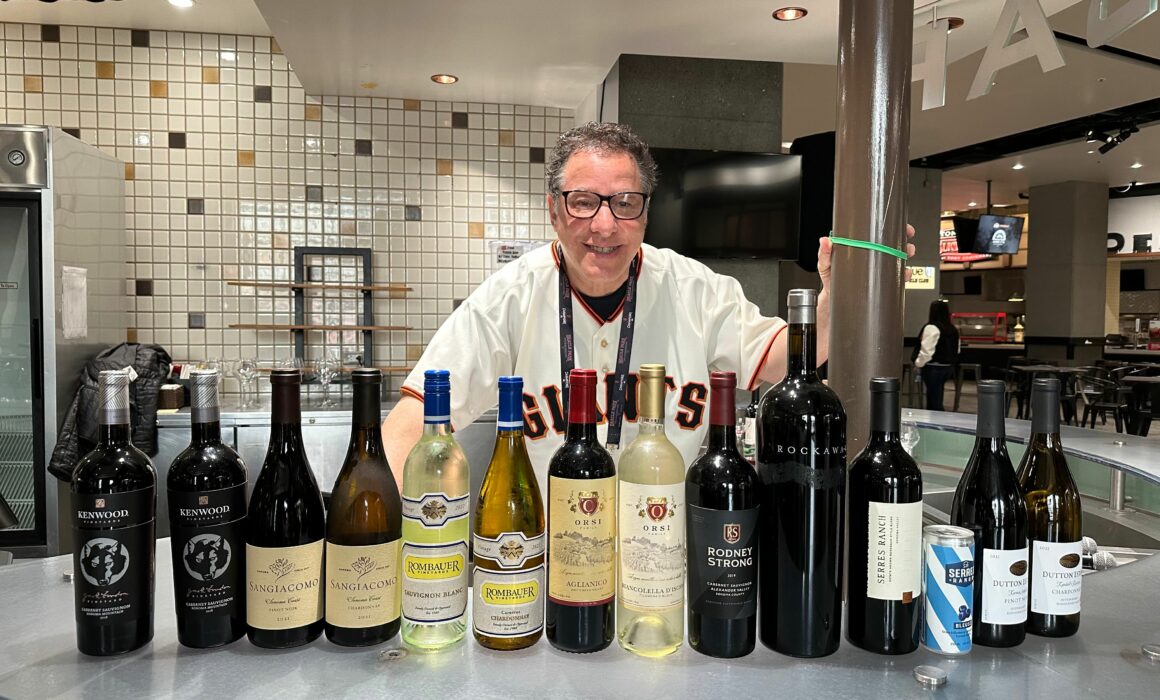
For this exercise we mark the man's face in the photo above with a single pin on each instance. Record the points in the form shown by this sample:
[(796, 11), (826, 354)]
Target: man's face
[(599, 250)]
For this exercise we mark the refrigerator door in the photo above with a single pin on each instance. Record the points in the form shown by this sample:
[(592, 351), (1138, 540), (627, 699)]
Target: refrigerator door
[(22, 472)]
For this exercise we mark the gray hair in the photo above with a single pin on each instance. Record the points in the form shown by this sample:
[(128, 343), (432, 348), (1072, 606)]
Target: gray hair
[(603, 138)]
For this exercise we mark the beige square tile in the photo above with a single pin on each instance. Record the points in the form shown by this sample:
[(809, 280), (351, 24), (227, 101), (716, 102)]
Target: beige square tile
[(130, 335), (158, 88), (444, 166), (130, 171), (507, 137), (211, 75), (246, 158), (313, 113), (281, 240), (475, 229), (33, 83), (414, 352), (106, 69), (346, 227), (412, 105)]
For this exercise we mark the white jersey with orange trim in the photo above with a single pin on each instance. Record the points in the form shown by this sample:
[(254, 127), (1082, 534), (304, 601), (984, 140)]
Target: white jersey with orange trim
[(688, 317)]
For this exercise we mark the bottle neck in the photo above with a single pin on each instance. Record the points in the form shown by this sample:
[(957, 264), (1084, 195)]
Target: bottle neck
[(208, 433), (992, 418), (114, 435), (722, 437), (651, 426), (430, 429), (1045, 412), (885, 420), (581, 432), (436, 412), (803, 341)]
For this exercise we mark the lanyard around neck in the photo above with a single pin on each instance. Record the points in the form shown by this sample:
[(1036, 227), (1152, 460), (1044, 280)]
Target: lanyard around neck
[(615, 411)]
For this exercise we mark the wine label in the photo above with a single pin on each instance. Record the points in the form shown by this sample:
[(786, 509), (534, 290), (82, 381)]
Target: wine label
[(894, 551), (434, 582), (581, 540), (507, 603), (723, 562), (208, 541), (362, 585), (652, 546), (434, 510), (284, 586), (511, 550), (1004, 586), (1055, 577), (114, 557)]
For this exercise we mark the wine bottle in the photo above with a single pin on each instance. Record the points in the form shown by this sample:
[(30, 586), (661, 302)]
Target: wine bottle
[(801, 457), (285, 531), (436, 527), (363, 530), (1054, 518), (722, 491), (650, 603), (749, 428), (207, 525), (581, 529), (509, 543), (884, 587), (988, 502), (114, 500)]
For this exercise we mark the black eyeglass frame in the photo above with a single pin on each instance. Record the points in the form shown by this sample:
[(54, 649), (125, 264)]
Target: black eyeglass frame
[(604, 200)]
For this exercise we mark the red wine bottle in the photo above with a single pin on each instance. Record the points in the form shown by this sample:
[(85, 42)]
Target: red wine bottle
[(581, 529), (723, 491), (207, 522), (285, 529), (884, 589), (801, 458), (113, 505)]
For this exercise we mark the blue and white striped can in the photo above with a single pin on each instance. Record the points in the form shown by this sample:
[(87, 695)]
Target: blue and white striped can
[(948, 588)]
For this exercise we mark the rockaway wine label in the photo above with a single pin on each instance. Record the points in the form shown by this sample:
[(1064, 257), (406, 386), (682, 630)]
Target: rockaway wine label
[(284, 586), (582, 528)]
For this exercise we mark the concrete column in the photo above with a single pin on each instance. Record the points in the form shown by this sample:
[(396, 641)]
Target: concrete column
[(1112, 298), (870, 192), (1067, 268)]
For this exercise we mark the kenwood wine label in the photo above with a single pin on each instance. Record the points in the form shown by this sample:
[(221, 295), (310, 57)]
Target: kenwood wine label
[(115, 540), (209, 546), (723, 562), (1056, 577)]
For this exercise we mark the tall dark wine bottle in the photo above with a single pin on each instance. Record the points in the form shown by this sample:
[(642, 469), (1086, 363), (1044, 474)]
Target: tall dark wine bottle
[(723, 492), (113, 504), (884, 589), (207, 524), (1054, 518), (801, 458), (581, 529), (285, 530), (988, 502), (363, 530)]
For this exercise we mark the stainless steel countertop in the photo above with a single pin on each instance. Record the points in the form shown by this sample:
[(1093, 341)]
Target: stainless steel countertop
[(39, 659)]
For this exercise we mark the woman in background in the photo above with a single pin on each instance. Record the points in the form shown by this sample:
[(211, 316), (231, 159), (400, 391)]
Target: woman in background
[(938, 353)]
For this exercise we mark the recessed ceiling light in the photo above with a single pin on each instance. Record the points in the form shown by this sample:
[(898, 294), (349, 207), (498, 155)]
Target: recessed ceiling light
[(972, 204), (1017, 166), (1137, 165), (183, 4), (444, 78), (789, 14)]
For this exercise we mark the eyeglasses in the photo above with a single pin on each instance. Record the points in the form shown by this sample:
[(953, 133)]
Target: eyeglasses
[(623, 205)]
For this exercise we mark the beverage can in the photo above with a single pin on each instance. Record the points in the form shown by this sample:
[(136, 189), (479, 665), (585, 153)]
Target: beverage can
[(948, 582)]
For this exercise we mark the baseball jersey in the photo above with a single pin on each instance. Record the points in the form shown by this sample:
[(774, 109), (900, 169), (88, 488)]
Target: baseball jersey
[(688, 317)]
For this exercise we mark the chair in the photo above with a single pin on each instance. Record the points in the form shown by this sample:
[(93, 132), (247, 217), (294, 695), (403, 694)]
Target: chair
[(1101, 396), (1068, 399), (962, 368), (1017, 390)]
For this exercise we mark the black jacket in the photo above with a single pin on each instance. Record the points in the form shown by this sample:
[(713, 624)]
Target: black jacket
[(78, 434)]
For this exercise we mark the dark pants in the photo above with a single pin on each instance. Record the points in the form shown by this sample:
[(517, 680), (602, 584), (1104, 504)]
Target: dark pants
[(934, 377)]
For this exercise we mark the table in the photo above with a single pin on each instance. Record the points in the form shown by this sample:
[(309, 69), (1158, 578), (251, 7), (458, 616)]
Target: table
[(1145, 391), (38, 659), (1064, 375)]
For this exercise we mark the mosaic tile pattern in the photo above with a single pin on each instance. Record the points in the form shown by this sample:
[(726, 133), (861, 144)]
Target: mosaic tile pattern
[(229, 165)]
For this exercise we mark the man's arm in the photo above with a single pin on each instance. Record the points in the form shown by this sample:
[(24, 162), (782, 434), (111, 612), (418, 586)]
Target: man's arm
[(401, 430)]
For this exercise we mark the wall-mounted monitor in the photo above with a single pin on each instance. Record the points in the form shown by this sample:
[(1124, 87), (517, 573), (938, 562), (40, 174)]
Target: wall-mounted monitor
[(990, 234)]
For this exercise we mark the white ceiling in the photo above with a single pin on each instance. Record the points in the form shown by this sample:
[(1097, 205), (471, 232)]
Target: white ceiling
[(210, 16)]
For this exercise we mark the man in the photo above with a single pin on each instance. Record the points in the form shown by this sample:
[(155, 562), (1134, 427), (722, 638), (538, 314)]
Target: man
[(687, 317)]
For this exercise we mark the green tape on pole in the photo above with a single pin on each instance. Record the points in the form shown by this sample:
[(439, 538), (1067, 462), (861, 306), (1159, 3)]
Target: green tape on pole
[(877, 247)]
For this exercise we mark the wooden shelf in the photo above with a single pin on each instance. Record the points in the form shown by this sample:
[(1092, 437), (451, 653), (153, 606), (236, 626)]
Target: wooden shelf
[(294, 327), (388, 287)]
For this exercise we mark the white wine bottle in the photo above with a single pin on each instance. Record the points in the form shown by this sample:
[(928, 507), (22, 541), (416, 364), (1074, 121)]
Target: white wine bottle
[(436, 527), (508, 584), (650, 606)]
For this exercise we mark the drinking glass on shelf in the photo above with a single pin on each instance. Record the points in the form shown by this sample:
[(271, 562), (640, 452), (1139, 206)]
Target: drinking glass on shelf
[(247, 373), (909, 434), (326, 368)]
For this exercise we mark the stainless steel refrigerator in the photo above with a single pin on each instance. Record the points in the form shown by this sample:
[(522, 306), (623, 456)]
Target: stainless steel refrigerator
[(62, 300)]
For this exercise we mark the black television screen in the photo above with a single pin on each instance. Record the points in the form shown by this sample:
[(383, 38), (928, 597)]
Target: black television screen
[(989, 234), (717, 204)]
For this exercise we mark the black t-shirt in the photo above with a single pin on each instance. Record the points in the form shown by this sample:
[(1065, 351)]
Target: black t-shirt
[(606, 306)]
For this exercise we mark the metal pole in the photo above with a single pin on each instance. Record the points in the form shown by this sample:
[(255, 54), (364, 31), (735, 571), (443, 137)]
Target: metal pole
[(870, 190), (1116, 499)]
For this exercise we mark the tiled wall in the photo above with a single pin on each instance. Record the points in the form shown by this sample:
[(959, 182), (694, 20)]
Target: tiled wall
[(230, 165)]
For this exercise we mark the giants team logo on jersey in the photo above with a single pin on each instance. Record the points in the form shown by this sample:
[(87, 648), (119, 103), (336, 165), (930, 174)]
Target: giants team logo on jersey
[(546, 411), (732, 533)]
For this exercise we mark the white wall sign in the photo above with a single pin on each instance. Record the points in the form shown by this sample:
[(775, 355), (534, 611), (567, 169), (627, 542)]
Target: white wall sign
[(74, 302), (503, 252), (919, 277)]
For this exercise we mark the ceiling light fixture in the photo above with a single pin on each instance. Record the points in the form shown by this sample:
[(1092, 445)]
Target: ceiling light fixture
[(1111, 142), (790, 14), (1137, 165), (1091, 151), (183, 4), (1017, 166), (972, 204), (444, 78)]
